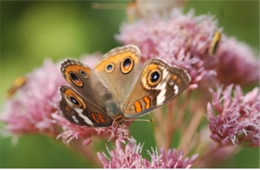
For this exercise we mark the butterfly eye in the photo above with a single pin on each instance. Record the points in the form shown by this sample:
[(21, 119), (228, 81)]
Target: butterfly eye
[(75, 79), (110, 67), (154, 77), (127, 65)]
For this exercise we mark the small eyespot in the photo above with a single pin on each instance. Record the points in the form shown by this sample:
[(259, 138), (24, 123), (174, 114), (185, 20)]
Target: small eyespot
[(83, 73), (127, 65), (77, 101), (110, 67), (75, 79), (154, 77), (73, 100)]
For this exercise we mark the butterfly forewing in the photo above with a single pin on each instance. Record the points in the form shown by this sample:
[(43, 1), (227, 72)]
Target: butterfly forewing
[(85, 81), (118, 70), (86, 90)]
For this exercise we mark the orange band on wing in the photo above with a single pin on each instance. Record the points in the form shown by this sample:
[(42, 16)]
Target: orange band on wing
[(94, 117), (101, 118), (147, 101), (138, 106)]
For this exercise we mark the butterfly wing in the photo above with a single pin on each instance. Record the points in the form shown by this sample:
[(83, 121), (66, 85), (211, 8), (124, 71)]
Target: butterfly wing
[(77, 110), (86, 90), (118, 70), (157, 84), (85, 81)]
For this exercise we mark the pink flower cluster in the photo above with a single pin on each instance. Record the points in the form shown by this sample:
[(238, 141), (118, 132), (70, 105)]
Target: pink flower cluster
[(35, 109), (30, 110), (237, 118), (179, 39), (74, 132), (184, 40), (129, 156), (237, 66)]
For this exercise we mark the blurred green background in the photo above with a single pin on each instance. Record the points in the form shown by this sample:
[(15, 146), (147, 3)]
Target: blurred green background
[(32, 31)]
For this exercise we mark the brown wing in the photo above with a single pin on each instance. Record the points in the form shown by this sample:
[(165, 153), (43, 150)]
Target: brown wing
[(157, 84), (79, 111), (85, 82), (119, 69)]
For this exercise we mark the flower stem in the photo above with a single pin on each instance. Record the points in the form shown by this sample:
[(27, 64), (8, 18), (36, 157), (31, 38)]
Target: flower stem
[(169, 131), (158, 128), (190, 131)]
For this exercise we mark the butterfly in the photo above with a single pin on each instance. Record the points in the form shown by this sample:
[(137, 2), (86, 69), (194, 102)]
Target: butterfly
[(118, 88)]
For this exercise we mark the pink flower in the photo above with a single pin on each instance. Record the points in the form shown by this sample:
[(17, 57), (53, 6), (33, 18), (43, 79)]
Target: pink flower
[(129, 156), (124, 157), (171, 159), (72, 131), (238, 116), (35, 109), (236, 63), (184, 40), (181, 40), (30, 110)]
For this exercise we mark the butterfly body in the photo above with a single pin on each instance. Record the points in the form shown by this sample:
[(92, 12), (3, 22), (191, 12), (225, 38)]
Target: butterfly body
[(118, 88)]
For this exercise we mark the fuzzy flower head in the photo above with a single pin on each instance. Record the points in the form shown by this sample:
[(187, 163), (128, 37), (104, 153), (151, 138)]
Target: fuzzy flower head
[(130, 156), (71, 131), (35, 109), (237, 66), (30, 110), (171, 159), (184, 40), (237, 117), (181, 40)]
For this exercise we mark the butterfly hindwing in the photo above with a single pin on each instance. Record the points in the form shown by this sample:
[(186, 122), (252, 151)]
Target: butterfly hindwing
[(157, 84), (77, 110)]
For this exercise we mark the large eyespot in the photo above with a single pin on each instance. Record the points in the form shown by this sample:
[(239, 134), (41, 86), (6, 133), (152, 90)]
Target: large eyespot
[(109, 67), (127, 65), (74, 98), (154, 77), (83, 73), (75, 79)]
